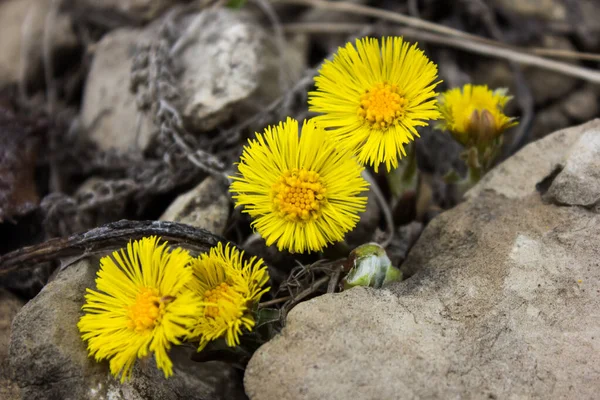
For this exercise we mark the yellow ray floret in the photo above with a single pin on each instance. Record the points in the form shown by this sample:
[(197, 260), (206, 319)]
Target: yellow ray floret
[(301, 191), (141, 306), (229, 288), (372, 97), (474, 114)]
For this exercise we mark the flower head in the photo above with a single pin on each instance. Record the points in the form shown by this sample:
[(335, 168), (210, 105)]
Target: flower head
[(474, 115), (229, 288), (373, 97), (141, 305), (302, 192)]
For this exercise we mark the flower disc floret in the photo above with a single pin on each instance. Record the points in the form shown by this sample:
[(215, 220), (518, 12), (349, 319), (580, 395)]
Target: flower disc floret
[(302, 192), (373, 96), (382, 106), (147, 311), (299, 194)]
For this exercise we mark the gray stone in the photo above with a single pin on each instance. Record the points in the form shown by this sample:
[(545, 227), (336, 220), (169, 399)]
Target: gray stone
[(501, 302), (206, 206), (548, 120), (51, 362), (9, 306), (22, 25), (581, 105), (108, 105), (229, 61), (578, 184)]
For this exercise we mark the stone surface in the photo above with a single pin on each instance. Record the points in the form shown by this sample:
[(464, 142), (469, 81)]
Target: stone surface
[(221, 66), (578, 184), (108, 105), (581, 105), (50, 360), (9, 306), (22, 25), (548, 120), (502, 302), (231, 61), (206, 206)]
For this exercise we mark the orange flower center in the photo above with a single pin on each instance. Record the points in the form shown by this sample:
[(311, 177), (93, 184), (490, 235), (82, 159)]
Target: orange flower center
[(223, 300), (299, 195), (382, 105), (147, 310)]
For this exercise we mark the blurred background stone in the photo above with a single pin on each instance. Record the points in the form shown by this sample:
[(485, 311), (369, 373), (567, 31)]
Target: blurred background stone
[(22, 25), (109, 112), (206, 206)]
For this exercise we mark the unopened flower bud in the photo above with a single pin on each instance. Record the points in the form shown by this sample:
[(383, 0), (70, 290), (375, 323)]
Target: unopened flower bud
[(369, 265)]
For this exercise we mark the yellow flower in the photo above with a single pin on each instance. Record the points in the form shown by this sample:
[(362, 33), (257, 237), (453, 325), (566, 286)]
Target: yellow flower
[(142, 305), (302, 192), (373, 97), (229, 288), (474, 115)]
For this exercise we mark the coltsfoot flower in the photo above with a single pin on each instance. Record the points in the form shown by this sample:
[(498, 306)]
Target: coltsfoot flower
[(373, 97), (302, 191), (474, 114), (141, 305), (230, 288)]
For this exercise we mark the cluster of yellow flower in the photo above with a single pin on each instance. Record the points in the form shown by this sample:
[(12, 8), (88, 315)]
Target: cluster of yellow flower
[(149, 297), (303, 191)]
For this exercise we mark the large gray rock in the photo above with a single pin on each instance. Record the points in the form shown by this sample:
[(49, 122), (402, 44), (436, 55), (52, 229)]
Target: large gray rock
[(206, 206), (9, 306), (579, 181), (109, 112), (502, 303), (50, 360)]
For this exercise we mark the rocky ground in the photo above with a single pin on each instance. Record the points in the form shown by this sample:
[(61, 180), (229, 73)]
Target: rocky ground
[(137, 110), (502, 299)]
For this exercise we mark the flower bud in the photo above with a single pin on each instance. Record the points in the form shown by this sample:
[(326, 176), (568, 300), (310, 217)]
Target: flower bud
[(369, 265)]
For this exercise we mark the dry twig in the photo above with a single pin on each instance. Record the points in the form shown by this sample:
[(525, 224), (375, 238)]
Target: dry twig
[(495, 51), (106, 238)]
